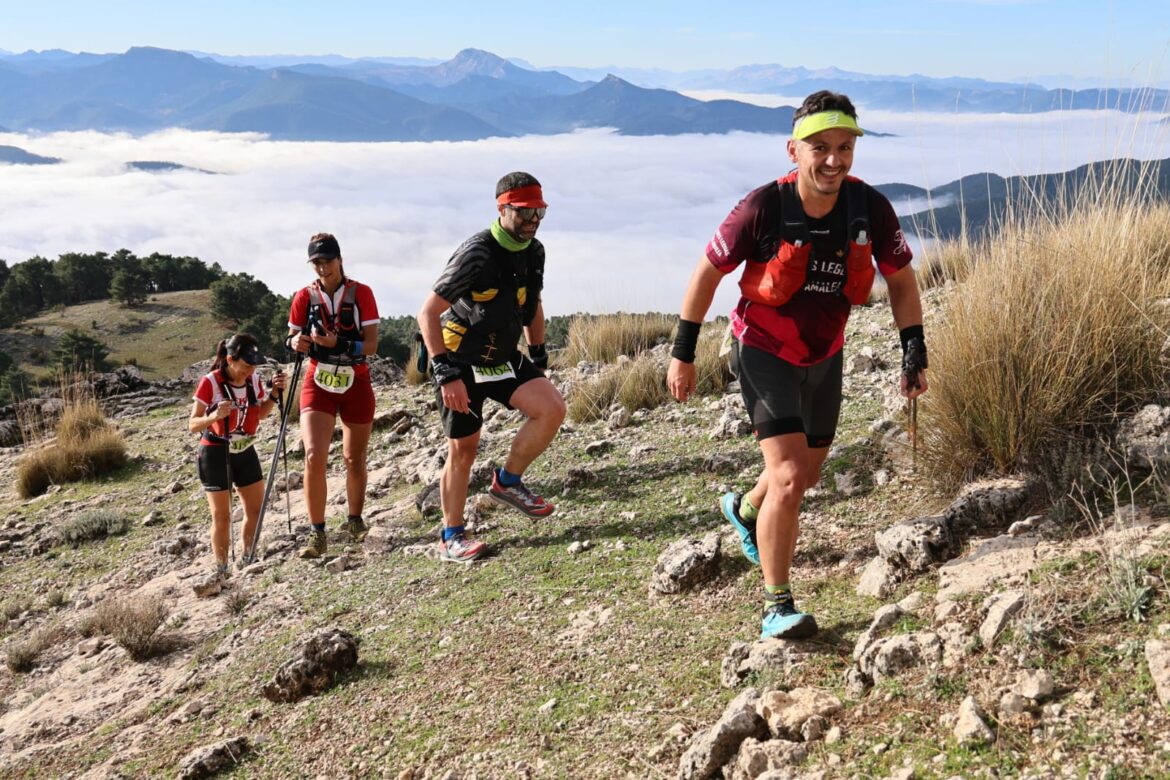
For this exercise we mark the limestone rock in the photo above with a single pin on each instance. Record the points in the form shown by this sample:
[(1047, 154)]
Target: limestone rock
[(885, 617), (686, 564), (971, 725), (787, 712), (743, 658), (1001, 608), (712, 748), (1158, 661), (986, 505), (212, 759), (878, 580), (915, 546), (326, 655), (756, 757), (731, 425), (1033, 684), (1145, 437)]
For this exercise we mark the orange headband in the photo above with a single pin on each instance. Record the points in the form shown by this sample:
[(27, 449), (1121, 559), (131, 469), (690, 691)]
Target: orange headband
[(523, 195)]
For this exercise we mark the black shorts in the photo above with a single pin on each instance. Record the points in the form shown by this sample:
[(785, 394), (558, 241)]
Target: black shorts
[(782, 398), (458, 425), (213, 467)]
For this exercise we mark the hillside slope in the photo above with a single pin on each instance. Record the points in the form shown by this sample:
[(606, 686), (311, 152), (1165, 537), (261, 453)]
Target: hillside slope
[(551, 658)]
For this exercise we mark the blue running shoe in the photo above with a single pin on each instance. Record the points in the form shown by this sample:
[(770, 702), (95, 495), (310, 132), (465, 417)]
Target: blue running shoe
[(783, 621), (747, 535)]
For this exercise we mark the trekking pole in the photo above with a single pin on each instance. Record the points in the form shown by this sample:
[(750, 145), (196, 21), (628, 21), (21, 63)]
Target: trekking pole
[(277, 448), (913, 362)]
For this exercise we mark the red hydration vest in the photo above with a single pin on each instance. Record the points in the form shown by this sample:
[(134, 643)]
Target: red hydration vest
[(774, 282)]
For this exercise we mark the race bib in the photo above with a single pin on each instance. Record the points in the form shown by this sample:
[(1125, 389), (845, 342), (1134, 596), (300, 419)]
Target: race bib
[(493, 373), (336, 381), (242, 443)]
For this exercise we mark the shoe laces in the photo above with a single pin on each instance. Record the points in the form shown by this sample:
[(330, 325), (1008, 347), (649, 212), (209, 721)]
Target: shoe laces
[(783, 608)]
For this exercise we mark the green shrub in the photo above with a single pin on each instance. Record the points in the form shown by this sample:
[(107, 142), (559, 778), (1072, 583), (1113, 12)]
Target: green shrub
[(94, 524)]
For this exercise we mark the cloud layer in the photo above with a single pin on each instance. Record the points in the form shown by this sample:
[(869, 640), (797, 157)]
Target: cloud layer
[(628, 216)]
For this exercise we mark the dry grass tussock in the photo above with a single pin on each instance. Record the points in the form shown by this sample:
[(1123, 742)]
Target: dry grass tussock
[(640, 382), (21, 655), (1057, 328), (87, 446), (601, 338), (134, 623)]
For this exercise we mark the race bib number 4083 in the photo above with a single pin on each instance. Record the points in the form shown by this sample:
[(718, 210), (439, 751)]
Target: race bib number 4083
[(338, 380)]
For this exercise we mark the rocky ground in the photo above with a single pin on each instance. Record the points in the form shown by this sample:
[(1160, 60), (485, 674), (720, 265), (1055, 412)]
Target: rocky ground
[(983, 634)]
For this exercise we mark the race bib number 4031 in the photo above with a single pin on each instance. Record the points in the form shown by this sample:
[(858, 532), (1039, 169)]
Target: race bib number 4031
[(493, 373), (337, 380)]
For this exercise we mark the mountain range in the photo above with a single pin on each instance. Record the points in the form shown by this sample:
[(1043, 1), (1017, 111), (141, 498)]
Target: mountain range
[(474, 95), (977, 202)]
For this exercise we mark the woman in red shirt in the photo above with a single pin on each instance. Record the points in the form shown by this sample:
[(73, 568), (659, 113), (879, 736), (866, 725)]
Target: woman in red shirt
[(230, 402), (334, 321)]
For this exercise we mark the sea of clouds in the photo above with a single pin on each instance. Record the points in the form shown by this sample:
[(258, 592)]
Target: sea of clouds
[(628, 216)]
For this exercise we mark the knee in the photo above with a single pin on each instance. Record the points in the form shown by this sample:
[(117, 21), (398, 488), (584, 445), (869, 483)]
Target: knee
[(788, 483), (461, 453), (553, 411), (355, 461), (316, 459)]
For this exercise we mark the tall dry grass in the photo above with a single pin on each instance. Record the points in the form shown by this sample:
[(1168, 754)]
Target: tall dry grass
[(601, 338), (640, 382), (1056, 329), (86, 445)]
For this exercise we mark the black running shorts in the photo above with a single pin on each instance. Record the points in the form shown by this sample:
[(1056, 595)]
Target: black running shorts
[(213, 467), (782, 398), (457, 425)]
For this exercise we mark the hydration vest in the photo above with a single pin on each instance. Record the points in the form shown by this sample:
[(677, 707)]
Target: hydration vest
[(774, 282), (344, 323), (219, 381), (484, 327)]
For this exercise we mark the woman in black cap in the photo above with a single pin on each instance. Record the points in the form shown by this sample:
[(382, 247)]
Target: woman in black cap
[(230, 402), (334, 321)]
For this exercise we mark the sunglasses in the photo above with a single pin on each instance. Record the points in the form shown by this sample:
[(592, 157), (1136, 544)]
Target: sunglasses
[(528, 214)]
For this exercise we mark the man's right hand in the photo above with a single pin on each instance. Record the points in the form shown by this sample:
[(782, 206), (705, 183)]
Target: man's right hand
[(680, 379), (455, 397)]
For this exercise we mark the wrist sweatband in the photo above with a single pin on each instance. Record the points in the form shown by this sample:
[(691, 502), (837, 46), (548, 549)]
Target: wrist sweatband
[(913, 333), (685, 340), (443, 371), (539, 355), (356, 346)]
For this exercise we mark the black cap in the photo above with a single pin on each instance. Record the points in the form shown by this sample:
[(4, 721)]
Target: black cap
[(325, 248), (250, 354)]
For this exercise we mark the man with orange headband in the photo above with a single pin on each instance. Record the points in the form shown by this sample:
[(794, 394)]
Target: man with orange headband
[(809, 242), (487, 296)]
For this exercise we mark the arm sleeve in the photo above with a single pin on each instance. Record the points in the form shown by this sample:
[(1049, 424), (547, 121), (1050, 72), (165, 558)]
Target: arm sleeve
[(462, 270), (890, 249), (367, 306), (738, 237)]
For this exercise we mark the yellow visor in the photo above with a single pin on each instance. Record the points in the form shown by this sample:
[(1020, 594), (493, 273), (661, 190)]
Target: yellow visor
[(825, 120)]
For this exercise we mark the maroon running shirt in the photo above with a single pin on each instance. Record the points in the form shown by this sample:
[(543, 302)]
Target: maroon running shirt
[(810, 327)]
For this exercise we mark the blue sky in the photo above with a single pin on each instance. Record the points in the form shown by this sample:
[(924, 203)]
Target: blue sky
[(997, 39)]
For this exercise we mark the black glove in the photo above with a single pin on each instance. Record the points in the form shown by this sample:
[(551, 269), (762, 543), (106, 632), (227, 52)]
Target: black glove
[(443, 371), (538, 353)]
